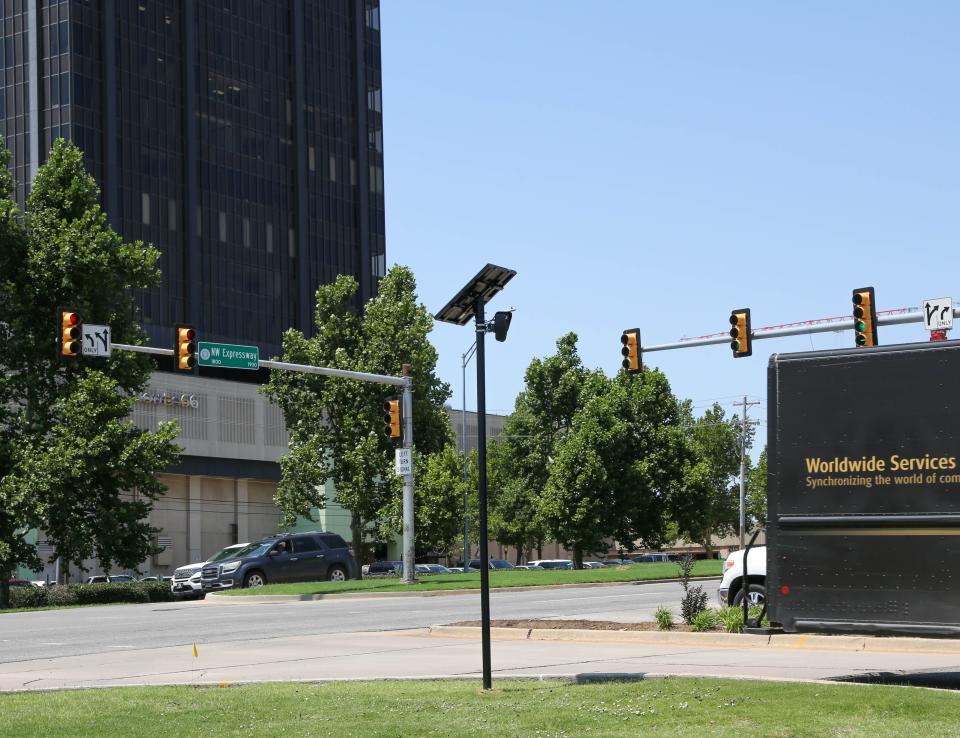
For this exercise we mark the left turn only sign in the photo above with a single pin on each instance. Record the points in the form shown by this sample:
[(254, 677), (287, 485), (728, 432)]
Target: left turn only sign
[(96, 340)]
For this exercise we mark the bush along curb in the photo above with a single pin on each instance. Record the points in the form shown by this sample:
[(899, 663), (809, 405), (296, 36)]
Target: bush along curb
[(60, 595)]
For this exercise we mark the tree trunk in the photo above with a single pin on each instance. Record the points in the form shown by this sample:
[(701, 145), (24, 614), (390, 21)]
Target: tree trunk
[(356, 532), (577, 557), (708, 544), (5, 590), (519, 555)]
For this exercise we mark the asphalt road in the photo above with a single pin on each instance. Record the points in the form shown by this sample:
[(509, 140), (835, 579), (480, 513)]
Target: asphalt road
[(52, 634)]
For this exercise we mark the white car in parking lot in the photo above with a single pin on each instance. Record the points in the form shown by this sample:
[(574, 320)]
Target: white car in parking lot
[(731, 590), (186, 579)]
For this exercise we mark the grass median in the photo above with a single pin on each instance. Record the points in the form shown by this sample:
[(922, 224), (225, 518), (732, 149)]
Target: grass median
[(662, 707), (509, 578)]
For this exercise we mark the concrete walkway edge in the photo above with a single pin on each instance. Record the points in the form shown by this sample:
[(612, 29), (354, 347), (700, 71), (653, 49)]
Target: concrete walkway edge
[(791, 641)]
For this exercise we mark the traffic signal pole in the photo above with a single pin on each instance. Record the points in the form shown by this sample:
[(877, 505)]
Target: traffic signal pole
[(405, 382), (798, 330)]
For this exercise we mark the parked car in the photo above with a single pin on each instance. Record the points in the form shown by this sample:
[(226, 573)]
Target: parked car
[(111, 579), (437, 569), (156, 579), (382, 568), (456, 569), (289, 557), (187, 579), (20, 583), (594, 565), (731, 590), (495, 564), (552, 563), (652, 558), (617, 562)]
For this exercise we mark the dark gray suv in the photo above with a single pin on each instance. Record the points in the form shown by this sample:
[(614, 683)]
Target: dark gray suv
[(292, 557)]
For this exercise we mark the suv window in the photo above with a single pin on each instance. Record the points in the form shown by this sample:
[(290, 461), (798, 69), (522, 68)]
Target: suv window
[(302, 544), (332, 540)]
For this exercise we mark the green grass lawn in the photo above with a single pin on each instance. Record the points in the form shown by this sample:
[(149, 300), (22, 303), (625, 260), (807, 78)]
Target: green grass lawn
[(631, 573), (672, 707)]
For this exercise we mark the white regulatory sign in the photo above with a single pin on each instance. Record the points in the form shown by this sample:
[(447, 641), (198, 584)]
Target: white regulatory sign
[(96, 340), (403, 462), (937, 314)]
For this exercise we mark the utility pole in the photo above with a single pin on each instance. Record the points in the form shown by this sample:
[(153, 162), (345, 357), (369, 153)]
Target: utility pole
[(743, 462)]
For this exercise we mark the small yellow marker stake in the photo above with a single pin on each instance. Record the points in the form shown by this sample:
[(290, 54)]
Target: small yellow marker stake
[(195, 650)]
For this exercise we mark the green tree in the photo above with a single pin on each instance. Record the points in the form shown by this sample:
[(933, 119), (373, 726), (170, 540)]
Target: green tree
[(710, 503), (65, 253), (514, 518), (757, 491), (336, 425), (438, 502), (618, 472)]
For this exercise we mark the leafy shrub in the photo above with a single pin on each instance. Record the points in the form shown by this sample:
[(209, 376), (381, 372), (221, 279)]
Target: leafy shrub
[(157, 591), (28, 597), (731, 618), (693, 602), (664, 618), (61, 595), (705, 620)]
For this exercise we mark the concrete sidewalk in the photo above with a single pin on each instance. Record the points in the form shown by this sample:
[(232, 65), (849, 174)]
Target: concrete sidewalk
[(420, 654)]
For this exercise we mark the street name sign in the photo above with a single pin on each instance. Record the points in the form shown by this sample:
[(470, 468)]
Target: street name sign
[(938, 313), (95, 340), (228, 355), (403, 462)]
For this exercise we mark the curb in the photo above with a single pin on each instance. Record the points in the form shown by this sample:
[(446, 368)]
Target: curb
[(263, 599), (785, 641)]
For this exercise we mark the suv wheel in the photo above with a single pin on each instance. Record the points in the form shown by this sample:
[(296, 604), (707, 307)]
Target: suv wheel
[(756, 594), (337, 574), (254, 579)]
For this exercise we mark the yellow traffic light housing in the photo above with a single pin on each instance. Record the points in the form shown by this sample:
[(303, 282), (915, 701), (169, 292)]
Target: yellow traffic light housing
[(864, 317), (632, 362), (186, 348), (392, 418), (741, 334), (70, 326)]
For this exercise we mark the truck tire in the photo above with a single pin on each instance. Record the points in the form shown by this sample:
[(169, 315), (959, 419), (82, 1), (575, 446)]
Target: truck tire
[(337, 574), (757, 593), (255, 578)]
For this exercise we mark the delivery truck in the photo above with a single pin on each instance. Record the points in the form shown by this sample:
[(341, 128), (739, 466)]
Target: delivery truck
[(863, 490)]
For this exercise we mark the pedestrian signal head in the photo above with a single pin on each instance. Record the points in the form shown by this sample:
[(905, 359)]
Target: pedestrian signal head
[(392, 418), (741, 337), (70, 329), (186, 348), (631, 350), (864, 317)]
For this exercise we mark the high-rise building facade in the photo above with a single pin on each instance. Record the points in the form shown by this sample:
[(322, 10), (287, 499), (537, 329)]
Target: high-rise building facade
[(243, 138)]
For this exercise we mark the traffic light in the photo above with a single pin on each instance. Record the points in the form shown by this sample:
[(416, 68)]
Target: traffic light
[(392, 417), (70, 332), (630, 339), (864, 317), (186, 348), (740, 333)]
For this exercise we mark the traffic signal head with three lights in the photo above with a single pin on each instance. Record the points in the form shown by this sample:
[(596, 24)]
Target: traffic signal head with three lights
[(185, 352), (632, 363), (70, 325), (864, 317), (392, 418), (741, 337)]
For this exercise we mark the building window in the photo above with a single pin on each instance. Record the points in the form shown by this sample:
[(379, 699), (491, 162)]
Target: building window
[(292, 242), (312, 158), (145, 208), (246, 232), (333, 168), (172, 215), (223, 227), (269, 238), (353, 173)]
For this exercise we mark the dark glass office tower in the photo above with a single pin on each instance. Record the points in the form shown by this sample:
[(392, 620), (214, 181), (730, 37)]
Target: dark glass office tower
[(243, 138)]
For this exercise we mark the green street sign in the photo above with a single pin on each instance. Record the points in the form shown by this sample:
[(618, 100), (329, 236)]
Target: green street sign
[(228, 355)]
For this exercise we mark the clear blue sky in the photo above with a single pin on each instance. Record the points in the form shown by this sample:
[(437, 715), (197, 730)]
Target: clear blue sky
[(655, 165)]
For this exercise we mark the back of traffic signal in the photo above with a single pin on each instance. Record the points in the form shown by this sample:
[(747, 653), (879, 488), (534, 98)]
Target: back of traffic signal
[(393, 418)]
